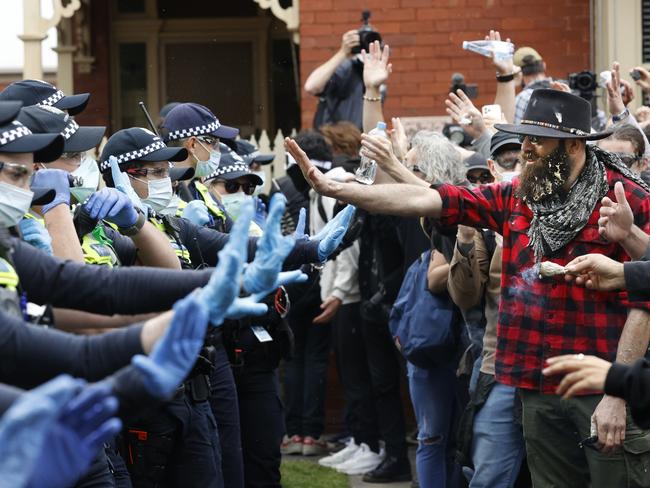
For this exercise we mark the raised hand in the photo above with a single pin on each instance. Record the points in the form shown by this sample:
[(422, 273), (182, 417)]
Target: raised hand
[(596, 272), (196, 212), (58, 180), (379, 149), (616, 218), (316, 179), (615, 102), (272, 249), (503, 66), (399, 139), (644, 81), (123, 184), (376, 67), (87, 422), (112, 205), (463, 112), (332, 234), (174, 355)]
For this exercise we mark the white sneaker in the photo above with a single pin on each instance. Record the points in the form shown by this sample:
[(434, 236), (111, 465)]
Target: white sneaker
[(363, 461), (340, 457)]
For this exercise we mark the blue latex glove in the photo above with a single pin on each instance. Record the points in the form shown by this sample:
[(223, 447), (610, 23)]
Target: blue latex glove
[(332, 234), (36, 234), (260, 212), (174, 355), (197, 213), (123, 184), (59, 181), (112, 205), (24, 428), (74, 441), (221, 292), (272, 249)]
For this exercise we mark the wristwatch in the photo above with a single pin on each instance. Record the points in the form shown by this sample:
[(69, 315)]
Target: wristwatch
[(621, 116), (135, 228), (505, 78)]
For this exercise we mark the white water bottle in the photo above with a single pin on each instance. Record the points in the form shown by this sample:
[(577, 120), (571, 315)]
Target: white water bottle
[(501, 50), (367, 170)]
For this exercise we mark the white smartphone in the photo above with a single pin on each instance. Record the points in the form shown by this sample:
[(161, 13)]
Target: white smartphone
[(491, 112)]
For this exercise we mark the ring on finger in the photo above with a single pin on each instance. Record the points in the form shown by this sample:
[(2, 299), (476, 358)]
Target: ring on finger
[(580, 357)]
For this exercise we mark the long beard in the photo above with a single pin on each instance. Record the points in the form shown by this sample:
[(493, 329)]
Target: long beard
[(545, 176)]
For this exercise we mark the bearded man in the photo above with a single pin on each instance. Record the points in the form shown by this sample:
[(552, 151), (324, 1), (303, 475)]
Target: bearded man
[(549, 213)]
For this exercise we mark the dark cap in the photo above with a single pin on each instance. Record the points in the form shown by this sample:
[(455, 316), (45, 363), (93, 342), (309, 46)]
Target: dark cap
[(138, 144), (476, 161), (231, 167), (16, 138), (181, 174), (500, 140), (43, 119), (37, 92), (250, 153), (192, 119), (9, 111)]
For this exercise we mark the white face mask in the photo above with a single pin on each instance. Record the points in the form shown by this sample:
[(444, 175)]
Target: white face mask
[(88, 171), (14, 204), (259, 188), (232, 202), (172, 208), (509, 175), (206, 168), (160, 193)]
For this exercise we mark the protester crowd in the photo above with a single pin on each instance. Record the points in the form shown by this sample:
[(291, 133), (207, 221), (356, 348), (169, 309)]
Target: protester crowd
[(154, 300)]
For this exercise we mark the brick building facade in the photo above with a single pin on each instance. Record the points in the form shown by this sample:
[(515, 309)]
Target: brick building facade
[(425, 37)]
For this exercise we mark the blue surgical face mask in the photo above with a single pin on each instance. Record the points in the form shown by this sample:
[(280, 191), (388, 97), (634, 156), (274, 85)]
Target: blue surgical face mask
[(160, 193), (88, 171), (206, 168), (233, 202), (14, 204)]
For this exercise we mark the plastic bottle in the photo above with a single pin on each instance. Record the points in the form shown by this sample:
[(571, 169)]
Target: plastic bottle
[(501, 50), (368, 167)]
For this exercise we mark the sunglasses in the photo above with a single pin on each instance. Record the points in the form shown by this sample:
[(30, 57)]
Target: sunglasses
[(483, 177), (537, 140), (233, 187), (157, 173)]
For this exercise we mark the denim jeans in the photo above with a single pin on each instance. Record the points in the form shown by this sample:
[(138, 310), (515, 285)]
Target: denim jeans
[(433, 398), (498, 443), (306, 374)]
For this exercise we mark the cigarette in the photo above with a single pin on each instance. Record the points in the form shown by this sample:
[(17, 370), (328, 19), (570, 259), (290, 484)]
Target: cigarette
[(549, 268)]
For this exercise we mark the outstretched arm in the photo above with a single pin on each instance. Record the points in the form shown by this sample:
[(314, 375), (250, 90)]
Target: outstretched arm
[(398, 199)]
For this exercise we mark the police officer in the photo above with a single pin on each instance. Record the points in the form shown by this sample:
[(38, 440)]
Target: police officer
[(197, 129)]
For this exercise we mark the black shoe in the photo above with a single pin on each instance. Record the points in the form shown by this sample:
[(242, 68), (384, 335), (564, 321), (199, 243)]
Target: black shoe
[(390, 470)]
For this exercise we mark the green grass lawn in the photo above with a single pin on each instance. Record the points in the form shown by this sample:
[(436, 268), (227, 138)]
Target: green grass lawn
[(306, 474)]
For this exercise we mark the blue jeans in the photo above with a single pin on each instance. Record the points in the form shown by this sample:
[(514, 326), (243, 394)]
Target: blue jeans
[(498, 443), (433, 398)]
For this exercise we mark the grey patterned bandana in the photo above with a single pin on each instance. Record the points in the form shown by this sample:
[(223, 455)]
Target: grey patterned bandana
[(557, 221)]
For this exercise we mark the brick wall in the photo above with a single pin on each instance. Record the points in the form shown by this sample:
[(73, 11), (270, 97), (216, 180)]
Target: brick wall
[(425, 37)]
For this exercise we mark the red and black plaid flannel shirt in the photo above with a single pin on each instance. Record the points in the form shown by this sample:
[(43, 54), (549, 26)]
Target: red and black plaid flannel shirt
[(539, 319)]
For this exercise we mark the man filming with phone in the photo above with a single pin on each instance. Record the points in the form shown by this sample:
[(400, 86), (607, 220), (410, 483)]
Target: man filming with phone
[(339, 81)]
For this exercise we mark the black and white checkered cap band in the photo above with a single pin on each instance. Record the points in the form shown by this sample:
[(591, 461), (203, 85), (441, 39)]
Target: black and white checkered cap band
[(70, 129), (194, 131), (133, 155), (53, 98), (231, 168), (12, 134)]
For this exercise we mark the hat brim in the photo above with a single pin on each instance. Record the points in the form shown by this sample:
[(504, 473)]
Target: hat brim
[(74, 104), (9, 111), (477, 166), (174, 154), (225, 132), (84, 139), (46, 147), (263, 159), (537, 130), (181, 174), (42, 196), (240, 174)]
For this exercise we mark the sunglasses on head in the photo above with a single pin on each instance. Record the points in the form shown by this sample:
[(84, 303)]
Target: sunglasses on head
[(233, 187)]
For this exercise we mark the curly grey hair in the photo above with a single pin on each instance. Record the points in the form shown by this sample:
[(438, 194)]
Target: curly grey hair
[(437, 158)]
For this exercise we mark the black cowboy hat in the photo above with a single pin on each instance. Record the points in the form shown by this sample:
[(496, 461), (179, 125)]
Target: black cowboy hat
[(556, 114)]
